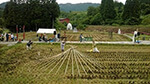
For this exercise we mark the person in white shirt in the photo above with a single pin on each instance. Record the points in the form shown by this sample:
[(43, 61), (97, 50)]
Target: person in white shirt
[(12, 37), (62, 46), (94, 47)]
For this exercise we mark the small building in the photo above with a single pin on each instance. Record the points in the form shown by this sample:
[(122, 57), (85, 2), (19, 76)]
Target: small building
[(62, 20)]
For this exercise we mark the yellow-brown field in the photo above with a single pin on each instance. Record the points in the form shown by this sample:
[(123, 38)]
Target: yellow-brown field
[(43, 64)]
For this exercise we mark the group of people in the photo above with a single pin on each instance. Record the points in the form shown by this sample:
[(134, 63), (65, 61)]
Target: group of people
[(7, 37), (62, 44), (28, 45), (44, 37)]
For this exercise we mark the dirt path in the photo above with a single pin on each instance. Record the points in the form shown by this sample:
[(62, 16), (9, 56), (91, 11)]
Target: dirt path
[(85, 42)]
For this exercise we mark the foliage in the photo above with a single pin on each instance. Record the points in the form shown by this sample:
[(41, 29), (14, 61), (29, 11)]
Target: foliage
[(76, 18), (1, 30), (76, 7), (59, 26), (146, 20), (132, 21), (1, 22), (145, 8), (33, 14), (81, 27), (131, 12), (91, 11), (107, 10), (97, 20)]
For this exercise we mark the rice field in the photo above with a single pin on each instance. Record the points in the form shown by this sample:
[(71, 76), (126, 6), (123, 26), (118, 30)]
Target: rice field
[(46, 64), (71, 36)]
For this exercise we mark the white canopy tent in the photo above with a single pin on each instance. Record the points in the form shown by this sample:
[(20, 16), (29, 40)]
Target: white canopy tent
[(46, 31)]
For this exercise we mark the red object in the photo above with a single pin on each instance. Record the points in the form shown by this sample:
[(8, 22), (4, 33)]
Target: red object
[(62, 20), (23, 32), (17, 31)]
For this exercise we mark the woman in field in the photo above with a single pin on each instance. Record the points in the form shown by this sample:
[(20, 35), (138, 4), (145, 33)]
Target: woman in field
[(94, 48)]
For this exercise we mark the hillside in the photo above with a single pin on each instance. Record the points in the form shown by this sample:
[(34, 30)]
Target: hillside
[(76, 7), (69, 7), (2, 5)]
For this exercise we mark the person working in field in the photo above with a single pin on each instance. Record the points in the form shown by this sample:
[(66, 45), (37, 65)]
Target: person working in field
[(29, 45), (62, 46), (94, 48), (81, 37)]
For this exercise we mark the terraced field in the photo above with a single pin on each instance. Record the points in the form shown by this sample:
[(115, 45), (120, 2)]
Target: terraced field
[(45, 64), (97, 36)]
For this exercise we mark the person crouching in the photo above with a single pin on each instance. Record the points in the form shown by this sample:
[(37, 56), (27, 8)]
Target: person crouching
[(29, 45)]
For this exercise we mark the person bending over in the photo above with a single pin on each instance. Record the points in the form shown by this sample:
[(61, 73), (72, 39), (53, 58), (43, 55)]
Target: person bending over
[(29, 45)]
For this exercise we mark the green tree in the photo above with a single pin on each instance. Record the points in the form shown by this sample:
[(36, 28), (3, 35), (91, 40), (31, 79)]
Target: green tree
[(32, 13), (131, 12), (91, 11), (145, 9), (146, 20), (107, 10)]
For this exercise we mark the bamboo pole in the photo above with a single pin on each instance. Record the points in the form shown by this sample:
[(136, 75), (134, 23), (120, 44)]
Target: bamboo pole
[(81, 65), (67, 54), (57, 63), (89, 62), (85, 62), (67, 64), (72, 63), (77, 63)]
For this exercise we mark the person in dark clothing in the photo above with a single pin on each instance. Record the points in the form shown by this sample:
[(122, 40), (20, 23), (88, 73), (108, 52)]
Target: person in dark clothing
[(81, 37), (7, 37), (29, 45), (40, 39)]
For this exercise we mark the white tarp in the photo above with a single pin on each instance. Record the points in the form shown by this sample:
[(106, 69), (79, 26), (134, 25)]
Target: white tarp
[(46, 31), (69, 26)]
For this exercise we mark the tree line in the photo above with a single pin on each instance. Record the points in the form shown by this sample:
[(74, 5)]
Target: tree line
[(110, 12), (33, 14), (44, 13), (133, 12)]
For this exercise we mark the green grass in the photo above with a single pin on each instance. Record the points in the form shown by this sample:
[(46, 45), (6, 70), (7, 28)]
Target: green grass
[(147, 37), (21, 66)]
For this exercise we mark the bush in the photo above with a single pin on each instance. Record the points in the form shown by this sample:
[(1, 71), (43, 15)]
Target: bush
[(96, 20), (146, 20), (59, 25), (81, 27), (132, 21)]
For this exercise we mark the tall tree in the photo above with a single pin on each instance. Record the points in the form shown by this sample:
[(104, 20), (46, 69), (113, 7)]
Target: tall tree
[(91, 11), (131, 12), (32, 13), (107, 10)]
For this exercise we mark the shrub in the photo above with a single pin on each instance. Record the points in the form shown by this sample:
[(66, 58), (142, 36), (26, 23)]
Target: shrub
[(59, 25), (146, 20), (132, 21), (81, 27)]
